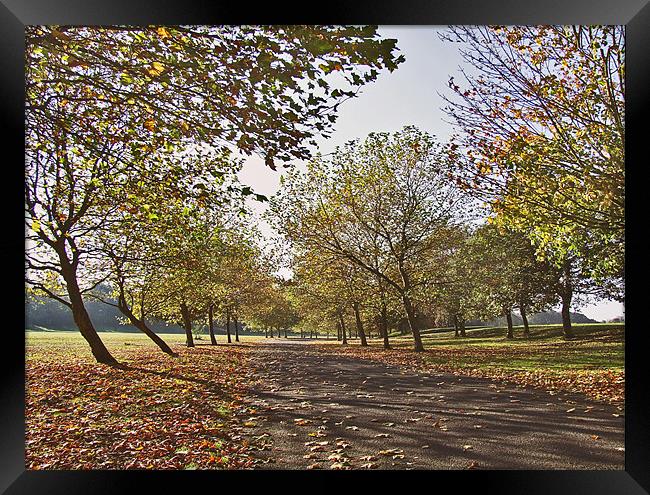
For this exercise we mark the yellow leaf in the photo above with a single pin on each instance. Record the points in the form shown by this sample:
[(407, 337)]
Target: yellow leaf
[(36, 225), (163, 33), (150, 124), (156, 69)]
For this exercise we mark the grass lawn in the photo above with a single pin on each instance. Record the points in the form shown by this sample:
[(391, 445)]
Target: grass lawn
[(595, 346)]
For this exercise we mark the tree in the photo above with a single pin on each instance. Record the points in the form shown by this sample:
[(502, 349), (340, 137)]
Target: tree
[(100, 98), (509, 275), (171, 192), (541, 121), (376, 204)]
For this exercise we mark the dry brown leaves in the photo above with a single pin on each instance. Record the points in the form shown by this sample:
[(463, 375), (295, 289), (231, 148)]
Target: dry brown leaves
[(156, 413)]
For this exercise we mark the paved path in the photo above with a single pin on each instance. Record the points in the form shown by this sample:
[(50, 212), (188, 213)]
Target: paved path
[(322, 409)]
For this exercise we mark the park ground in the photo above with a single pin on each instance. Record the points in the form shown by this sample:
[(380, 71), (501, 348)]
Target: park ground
[(476, 403)]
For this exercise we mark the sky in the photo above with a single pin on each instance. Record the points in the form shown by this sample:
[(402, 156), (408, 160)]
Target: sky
[(408, 96)]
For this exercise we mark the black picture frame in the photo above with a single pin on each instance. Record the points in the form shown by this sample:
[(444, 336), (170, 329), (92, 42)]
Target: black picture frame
[(15, 14)]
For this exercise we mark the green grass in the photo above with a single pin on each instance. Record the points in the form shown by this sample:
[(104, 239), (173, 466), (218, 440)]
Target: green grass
[(51, 341), (596, 346)]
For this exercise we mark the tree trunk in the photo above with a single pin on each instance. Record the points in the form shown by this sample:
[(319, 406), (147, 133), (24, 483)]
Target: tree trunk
[(524, 317), (567, 295), (236, 328), (508, 313), (213, 339), (415, 331), (360, 331), (456, 329), (462, 327), (384, 326), (286, 334), (342, 323), (566, 316), (228, 327), (80, 315), (266, 333), (187, 324), (142, 326)]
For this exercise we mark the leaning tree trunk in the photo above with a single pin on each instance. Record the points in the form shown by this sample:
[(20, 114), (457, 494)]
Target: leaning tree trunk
[(228, 327), (187, 324), (141, 325), (524, 317), (360, 330), (342, 323), (508, 313), (80, 315), (213, 339), (236, 329)]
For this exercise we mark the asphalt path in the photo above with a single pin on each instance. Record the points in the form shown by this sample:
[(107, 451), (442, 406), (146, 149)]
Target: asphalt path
[(319, 409)]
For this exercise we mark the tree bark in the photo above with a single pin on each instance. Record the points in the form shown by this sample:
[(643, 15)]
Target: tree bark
[(236, 328), (228, 327), (342, 323), (456, 328), (567, 295), (213, 339), (508, 313), (80, 315), (415, 331), (187, 324), (360, 330), (566, 316), (266, 333), (141, 325), (384, 326), (524, 317)]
